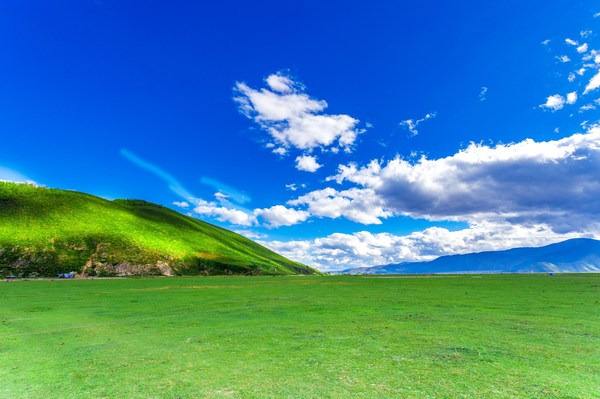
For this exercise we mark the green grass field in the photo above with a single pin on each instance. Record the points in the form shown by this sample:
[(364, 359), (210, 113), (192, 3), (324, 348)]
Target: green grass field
[(509, 336)]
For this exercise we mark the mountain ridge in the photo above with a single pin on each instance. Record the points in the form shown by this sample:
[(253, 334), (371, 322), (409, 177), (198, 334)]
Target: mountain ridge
[(573, 255)]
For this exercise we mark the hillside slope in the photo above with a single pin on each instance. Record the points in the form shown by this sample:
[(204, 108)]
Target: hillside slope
[(575, 255), (48, 231)]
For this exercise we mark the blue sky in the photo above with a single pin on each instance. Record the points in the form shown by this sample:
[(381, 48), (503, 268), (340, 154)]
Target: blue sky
[(246, 110)]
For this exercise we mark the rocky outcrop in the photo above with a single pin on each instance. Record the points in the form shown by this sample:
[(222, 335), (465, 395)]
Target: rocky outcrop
[(124, 269)]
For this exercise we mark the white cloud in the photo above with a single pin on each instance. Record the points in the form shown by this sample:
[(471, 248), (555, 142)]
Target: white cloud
[(340, 251), (593, 84), (554, 102), (585, 33), (279, 215), (307, 163), (413, 124), (592, 55), (546, 42), (571, 42), (553, 182), (253, 235), (572, 97), (221, 197), (563, 58), (587, 107), (280, 83), (358, 205), (222, 210), (224, 214), (294, 186), (279, 151), (583, 48), (572, 77), (292, 118)]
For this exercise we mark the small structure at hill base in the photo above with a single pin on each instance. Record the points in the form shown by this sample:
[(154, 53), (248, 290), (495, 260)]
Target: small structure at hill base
[(69, 275)]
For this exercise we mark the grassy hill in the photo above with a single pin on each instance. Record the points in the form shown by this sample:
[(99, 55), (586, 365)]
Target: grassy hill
[(48, 231)]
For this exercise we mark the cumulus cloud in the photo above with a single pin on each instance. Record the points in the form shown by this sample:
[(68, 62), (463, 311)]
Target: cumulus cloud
[(572, 97), (563, 58), (583, 48), (359, 205), (181, 204), (341, 251), (412, 124), (554, 102), (593, 84), (279, 215), (307, 163), (553, 182), (224, 214), (292, 118)]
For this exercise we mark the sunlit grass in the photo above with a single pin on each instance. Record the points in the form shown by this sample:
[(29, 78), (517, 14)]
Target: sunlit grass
[(510, 336), (48, 231)]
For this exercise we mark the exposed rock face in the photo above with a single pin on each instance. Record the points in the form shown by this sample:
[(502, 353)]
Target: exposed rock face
[(131, 262), (124, 269), (102, 259)]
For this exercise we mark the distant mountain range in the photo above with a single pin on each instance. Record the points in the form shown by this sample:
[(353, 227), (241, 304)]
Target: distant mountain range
[(575, 255)]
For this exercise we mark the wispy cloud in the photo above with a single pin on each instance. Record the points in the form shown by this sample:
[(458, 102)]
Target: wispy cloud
[(10, 175), (232, 194), (222, 210), (412, 124), (171, 181), (483, 93), (200, 206)]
